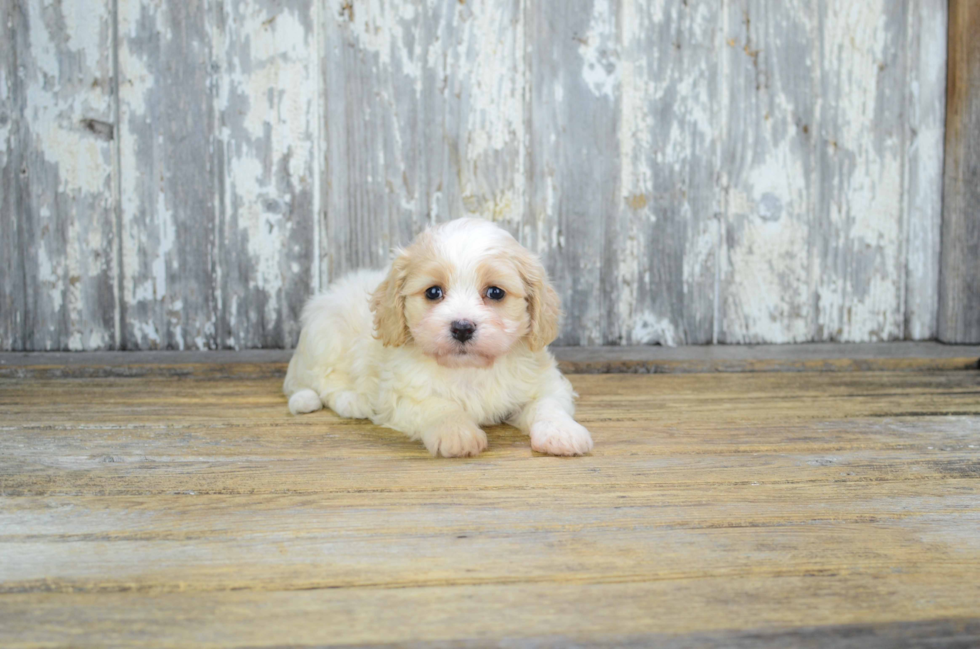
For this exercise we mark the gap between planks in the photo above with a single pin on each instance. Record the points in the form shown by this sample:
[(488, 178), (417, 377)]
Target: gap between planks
[(808, 357)]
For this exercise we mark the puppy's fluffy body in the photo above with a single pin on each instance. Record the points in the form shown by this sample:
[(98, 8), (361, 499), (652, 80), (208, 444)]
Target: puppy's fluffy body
[(376, 345)]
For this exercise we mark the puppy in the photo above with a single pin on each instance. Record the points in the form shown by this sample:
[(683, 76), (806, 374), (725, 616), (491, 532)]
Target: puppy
[(452, 337)]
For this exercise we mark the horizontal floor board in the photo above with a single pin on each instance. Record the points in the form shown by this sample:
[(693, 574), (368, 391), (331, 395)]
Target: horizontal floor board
[(646, 359), (491, 614)]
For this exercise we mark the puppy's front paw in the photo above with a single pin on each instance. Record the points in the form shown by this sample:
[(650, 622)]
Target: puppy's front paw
[(563, 436), (350, 404), (455, 439)]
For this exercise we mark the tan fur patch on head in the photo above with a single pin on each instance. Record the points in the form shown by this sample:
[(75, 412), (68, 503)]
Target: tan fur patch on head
[(543, 304), (399, 300), (427, 271), (426, 268), (499, 271), (388, 304)]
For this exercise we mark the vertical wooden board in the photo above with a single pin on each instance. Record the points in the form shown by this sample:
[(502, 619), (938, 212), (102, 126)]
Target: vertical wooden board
[(61, 194), (12, 279), (959, 288), (768, 166), (472, 113), (925, 128), (168, 176), (857, 264), (371, 80), (658, 280), (424, 121), (574, 67), (266, 52)]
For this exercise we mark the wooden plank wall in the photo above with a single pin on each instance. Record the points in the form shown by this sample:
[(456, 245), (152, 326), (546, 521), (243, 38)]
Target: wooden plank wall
[(959, 312), (57, 289), (692, 171)]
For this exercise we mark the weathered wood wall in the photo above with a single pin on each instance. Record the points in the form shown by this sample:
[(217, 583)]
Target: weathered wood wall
[(693, 171), (959, 293)]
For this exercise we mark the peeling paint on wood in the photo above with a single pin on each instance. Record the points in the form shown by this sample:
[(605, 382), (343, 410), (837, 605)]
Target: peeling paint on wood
[(768, 173), (927, 27), (12, 308), (858, 242), (574, 151), (168, 178), (424, 121), (268, 109), (58, 225), (661, 263), (832, 209), (690, 171)]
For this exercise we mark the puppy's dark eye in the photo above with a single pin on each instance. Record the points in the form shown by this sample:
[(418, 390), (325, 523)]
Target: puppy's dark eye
[(495, 293), (433, 293)]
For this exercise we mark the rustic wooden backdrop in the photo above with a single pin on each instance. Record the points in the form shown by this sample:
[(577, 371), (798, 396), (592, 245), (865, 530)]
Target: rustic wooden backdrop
[(693, 171)]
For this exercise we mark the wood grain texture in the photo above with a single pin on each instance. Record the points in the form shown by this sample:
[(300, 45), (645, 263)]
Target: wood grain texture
[(768, 165), (858, 259), (12, 280), (925, 131), (574, 112), (715, 507), (169, 179), (473, 118), (370, 56), (660, 259), (424, 122), (959, 286), (268, 111), (832, 211), (690, 171), (643, 359), (58, 181), (623, 156)]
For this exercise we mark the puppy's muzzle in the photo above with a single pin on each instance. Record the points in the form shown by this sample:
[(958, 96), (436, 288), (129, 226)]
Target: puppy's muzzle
[(462, 330)]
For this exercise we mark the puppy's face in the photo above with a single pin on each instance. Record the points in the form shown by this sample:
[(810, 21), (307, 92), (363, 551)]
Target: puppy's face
[(466, 293)]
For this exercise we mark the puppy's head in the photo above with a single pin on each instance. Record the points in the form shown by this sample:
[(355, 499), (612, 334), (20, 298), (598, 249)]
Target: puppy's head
[(465, 293)]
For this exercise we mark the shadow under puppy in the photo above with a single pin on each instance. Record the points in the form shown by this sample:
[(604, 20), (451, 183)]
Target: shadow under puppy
[(453, 336)]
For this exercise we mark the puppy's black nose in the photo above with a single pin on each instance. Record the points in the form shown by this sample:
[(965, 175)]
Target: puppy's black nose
[(462, 330)]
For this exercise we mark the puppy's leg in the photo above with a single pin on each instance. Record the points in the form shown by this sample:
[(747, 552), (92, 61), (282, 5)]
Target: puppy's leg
[(304, 401), (551, 427), (443, 427), (348, 403), (454, 436), (333, 390)]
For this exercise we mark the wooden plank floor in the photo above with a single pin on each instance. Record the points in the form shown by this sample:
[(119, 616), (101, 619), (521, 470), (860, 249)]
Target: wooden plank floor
[(717, 509)]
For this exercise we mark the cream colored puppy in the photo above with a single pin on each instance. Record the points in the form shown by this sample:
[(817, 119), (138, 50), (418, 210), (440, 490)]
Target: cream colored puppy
[(452, 337)]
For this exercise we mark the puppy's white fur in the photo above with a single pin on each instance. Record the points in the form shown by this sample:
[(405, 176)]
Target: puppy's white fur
[(374, 346)]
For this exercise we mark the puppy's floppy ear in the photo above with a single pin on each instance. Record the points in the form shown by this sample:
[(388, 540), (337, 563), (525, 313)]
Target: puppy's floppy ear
[(543, 305), (388, 304)]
